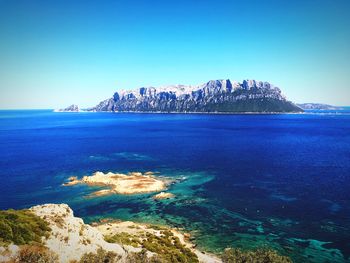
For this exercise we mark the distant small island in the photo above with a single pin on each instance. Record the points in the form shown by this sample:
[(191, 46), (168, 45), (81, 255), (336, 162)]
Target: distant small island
[(318, 106), (215, 96), (71, 108)]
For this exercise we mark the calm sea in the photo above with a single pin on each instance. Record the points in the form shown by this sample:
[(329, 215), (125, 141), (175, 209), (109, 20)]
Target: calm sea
[(281, 181)]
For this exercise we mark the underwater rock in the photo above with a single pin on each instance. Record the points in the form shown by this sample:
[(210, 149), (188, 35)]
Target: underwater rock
[(163, 195)]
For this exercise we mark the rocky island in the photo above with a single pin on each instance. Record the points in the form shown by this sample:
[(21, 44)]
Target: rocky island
[(215, 96), (118, 183)]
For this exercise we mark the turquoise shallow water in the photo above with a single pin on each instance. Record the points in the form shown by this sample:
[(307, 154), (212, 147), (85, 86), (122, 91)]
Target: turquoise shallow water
[(241, 180)]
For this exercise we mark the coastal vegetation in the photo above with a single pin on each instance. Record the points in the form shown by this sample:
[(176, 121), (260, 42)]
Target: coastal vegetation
[(143, 257), (22, 227), (166, 246), (101, 256), (125, 239)]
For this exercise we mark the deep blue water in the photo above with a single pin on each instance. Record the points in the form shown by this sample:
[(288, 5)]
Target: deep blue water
[(246, 180)]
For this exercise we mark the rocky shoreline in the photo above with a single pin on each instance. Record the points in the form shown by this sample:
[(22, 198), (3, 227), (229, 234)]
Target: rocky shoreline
[(70, 238)]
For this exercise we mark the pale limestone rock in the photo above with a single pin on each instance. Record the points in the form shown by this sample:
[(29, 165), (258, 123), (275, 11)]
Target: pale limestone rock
[(70, 237)]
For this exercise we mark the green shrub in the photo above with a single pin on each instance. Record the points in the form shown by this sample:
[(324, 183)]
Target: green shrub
[(234, 255), (158, 227), (22, 227), (101, 256), (36, 254), (124, 238)]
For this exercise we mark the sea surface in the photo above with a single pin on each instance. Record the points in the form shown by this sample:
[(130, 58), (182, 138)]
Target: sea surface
[(248, 181)]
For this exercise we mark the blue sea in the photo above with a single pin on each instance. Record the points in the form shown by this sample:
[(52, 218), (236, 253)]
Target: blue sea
[(248, 181)]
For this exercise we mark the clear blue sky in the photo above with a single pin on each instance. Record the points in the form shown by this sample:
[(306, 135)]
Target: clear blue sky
[(55, 53)]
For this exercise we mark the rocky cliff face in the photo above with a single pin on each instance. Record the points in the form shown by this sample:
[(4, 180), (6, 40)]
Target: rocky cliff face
[(213, 96)]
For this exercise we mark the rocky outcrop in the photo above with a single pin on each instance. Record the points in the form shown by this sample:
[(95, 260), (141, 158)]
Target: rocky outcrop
[(213, 96), (163, 195)]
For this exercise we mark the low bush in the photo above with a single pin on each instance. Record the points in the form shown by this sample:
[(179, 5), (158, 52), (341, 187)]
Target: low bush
[(101, 256), (142, 257), (235, 255)]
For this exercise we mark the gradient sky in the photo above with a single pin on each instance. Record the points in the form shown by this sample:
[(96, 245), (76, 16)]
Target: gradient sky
[(55, 53)]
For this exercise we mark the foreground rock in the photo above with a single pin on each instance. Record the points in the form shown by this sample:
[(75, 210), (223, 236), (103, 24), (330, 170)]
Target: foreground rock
[(117, 183), (213, 96), (71, 240)]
